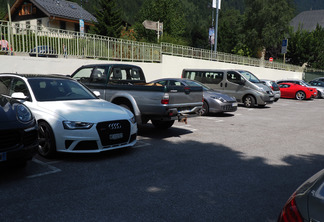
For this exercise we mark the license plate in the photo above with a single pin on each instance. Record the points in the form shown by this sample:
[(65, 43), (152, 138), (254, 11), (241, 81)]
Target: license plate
[(3, 157), (272, 98), (116, 136), (234, 104)]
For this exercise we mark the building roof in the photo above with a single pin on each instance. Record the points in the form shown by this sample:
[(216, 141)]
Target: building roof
[(60, 9), (308, 20), (64, 9)]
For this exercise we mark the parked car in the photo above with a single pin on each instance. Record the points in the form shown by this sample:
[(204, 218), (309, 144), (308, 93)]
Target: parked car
[(302, 83), (319, 85), (71, 118), (275, 88), (18, 132), (125, 85), (307, 202), (292, 90), (43, 51), (213, 101), (241, 84), (319, 79)]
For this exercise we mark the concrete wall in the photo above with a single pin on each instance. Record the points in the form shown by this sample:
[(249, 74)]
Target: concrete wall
[(171, 66)]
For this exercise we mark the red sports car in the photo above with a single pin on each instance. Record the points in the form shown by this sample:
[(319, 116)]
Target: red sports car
[(292, 90)]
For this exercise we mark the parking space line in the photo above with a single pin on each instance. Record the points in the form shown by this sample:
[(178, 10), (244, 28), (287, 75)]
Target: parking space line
[(51, 171)]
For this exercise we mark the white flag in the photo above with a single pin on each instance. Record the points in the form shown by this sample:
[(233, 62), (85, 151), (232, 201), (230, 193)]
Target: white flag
[(219, 4)]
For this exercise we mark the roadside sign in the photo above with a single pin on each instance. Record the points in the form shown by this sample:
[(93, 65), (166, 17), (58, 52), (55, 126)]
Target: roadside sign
[(270, 59), (157, 26), (81, 21), (284, 46)]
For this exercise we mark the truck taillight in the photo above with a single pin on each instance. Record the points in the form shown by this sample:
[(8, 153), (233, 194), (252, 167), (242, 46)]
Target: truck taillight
[(290, 212), (165, 99)]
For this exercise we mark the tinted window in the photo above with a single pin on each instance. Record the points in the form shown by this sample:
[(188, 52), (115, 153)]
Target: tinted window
[(5, 85), (99, 75), (234, 77), (212, 77), (18, 85), (126, 74), (284, 86)]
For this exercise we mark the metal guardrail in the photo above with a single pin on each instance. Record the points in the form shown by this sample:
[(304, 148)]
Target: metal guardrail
[(22, 39), (191, 52)]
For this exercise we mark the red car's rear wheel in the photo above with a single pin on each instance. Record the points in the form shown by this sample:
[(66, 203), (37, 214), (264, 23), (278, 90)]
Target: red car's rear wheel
[(300, 95)]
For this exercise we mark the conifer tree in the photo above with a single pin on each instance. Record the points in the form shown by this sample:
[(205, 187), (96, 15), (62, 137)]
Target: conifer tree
[(109, 22)]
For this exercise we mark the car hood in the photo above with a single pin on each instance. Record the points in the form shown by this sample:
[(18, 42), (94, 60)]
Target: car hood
[(261, 85), (215, 93), (95, 110)]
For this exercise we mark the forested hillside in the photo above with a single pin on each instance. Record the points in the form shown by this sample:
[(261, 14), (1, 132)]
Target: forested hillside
[(131, 7), (186, 22)]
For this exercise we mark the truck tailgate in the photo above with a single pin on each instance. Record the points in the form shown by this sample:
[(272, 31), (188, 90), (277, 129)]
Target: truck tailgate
[(185, 95)]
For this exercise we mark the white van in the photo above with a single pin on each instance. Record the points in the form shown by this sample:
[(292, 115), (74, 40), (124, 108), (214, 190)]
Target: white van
[(241, 84)]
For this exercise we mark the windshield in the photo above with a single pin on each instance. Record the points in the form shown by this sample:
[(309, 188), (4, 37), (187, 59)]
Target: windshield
[(193, 83), (249, 76), (53, 89)]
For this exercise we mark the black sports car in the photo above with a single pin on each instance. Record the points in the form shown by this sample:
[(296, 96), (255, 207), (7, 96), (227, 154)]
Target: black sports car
[(18, 132)]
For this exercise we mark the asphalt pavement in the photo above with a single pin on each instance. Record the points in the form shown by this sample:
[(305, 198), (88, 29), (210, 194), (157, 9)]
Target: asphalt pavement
[(240, 166)]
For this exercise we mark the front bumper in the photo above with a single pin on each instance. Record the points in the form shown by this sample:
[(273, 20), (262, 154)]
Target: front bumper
[(98, 138)]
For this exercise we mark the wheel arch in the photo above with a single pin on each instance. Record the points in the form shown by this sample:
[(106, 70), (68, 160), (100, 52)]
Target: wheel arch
[(130, 102)]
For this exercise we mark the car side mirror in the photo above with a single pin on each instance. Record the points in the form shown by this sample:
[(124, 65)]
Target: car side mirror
[(97, 93), (242, 82), (19, 95)]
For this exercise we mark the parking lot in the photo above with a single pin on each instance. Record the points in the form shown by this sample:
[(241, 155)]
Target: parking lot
[(241, 166)]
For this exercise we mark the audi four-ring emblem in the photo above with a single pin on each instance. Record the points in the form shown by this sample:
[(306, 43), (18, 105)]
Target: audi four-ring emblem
[(114, 126)]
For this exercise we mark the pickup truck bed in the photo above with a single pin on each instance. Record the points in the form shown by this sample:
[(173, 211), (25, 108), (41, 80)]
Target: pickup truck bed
[(125, 85)]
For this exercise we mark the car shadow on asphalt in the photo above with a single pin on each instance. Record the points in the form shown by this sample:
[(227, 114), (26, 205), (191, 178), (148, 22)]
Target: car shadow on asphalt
[(220, 114), (148, 130), (255, 107)]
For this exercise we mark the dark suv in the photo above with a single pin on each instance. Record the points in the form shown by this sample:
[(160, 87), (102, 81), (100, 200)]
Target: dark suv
[(18, 132)]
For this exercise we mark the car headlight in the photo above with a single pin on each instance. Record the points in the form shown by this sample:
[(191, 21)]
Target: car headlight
[(73, 125), (23, 113), (219, 98), (262, 90)]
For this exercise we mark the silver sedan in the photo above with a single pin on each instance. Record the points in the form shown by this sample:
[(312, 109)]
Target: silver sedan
[(214, 102)]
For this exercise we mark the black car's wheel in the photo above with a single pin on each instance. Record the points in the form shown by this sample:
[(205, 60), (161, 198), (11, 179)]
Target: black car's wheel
[(205, 109), (249, 101), (300, 95), (162, 124), (47, 147)]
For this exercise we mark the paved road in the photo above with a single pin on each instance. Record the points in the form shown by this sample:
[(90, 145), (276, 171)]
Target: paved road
[(235, 167)]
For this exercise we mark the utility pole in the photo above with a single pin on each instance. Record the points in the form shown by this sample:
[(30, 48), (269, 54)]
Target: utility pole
[(9, 29), (216, 27)]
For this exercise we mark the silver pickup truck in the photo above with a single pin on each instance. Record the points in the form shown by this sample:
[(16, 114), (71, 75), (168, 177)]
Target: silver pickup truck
[(126, 86)]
